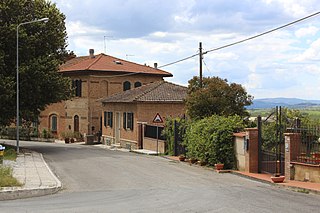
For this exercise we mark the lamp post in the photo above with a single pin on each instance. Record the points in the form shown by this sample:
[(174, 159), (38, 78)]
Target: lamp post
[(17, 116)]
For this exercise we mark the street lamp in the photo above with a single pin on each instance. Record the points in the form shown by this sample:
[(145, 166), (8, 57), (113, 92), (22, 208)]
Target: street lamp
[(17, 117)]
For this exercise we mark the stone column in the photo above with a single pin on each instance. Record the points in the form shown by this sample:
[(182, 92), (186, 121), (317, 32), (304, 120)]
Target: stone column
[(292, 150)]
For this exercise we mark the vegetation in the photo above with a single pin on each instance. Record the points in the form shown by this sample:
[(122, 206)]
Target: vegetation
[(211, 139), (42, 48), (10, 153), (169, 132), (216, 96), (6, 178)]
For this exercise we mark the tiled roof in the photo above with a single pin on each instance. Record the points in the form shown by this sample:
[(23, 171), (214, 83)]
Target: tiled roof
[(160, 91), (108, 63)]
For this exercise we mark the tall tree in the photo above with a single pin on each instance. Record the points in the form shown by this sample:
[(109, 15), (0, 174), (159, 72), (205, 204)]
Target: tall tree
[(42, 48), (216, 96)]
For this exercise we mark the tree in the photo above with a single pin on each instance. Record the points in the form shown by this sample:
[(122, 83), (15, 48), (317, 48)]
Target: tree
[(42, 48), (216, 97)]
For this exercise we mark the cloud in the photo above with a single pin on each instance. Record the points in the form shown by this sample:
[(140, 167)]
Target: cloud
[(277, 64)]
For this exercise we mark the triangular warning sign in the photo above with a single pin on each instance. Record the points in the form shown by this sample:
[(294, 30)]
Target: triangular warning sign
[(157, 119)]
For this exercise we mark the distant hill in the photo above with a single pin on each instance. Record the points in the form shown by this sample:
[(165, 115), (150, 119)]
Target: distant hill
[(267, 103)]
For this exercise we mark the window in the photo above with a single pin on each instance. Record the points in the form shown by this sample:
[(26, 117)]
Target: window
[(108, 119), (128, 120), (76, 123), (126, 85), (137, 84), (53, 123), (77, 84)]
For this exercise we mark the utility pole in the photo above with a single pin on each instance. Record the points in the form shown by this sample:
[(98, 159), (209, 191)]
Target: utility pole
[(200, 62)]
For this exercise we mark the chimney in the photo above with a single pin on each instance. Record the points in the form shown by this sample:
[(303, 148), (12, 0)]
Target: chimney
[(91, 53), (155, 65)]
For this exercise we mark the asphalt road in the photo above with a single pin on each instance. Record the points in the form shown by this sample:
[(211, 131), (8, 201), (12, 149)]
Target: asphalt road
[(99, 180)]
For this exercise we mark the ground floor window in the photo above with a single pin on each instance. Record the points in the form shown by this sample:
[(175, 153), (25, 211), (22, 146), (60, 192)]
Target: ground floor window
[(128, 120), (108, 119), (76, 123), (53, 123)]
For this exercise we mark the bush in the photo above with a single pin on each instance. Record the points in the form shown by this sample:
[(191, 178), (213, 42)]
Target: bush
[(211, 139)]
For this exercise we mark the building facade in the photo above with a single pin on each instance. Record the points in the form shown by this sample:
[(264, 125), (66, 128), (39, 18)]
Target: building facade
[(94, 77), (126, 114)]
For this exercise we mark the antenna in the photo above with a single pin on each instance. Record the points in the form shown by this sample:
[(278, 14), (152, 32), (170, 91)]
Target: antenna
[(104, 42)]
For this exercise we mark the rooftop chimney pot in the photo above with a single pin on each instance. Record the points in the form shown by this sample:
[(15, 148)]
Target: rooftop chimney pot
[(91, 52), (155, 65)]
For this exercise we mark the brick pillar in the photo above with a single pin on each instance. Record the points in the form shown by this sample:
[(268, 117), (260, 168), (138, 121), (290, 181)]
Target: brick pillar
[(292, 150), (251, 154)]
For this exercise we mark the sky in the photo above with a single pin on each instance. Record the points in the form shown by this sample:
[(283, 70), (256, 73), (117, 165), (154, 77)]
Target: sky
[(284, 63)]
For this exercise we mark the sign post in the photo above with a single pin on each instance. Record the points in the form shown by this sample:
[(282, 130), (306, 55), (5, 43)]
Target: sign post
[(157, 119)]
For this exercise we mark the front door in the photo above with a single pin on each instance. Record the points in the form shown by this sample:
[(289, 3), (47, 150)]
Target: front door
[(117, 127)]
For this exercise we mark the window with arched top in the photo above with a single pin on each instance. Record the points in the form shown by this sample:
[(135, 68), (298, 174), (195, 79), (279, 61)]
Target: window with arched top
[(76, 123), (137, 84), (126, 85), (53, 123)]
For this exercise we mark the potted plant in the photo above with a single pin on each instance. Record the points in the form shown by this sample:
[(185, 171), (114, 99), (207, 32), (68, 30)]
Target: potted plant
[(192, 160), (182, 157), (219, 166)]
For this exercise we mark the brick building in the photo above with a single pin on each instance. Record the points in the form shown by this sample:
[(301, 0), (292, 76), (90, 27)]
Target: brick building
[(94, 77), (125, 114)]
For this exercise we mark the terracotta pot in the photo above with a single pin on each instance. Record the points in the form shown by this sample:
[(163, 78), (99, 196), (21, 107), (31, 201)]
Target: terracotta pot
[(67, 140), (182, 158), (219, 166), (279, 179)]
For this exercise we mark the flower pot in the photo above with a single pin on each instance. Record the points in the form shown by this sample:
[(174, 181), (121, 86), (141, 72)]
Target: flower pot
[(279, 179), (182, 158), (192, 160), (219, 166), (67, 140)]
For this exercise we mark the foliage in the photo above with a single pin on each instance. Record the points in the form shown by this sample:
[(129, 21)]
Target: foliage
[(169, 132), (6, 178), (216, 96), (10, 153), (46, 134), (211, 139), (42, 48), (25, 133)]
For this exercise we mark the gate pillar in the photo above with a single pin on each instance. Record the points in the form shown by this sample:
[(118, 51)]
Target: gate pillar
[(292, 146), (251, 154)]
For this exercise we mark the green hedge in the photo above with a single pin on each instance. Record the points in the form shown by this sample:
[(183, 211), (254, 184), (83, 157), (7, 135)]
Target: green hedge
[(211, 139)]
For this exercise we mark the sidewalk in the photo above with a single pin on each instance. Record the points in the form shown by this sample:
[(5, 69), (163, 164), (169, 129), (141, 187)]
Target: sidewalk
[(31, 170), (266, 178)]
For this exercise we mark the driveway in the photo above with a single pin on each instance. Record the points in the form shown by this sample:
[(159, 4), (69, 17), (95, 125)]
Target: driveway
[(99, 180)]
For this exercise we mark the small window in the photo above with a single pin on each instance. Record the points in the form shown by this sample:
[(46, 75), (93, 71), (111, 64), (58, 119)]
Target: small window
[(126, 85), (128, 120), (137, 84), (76, 123), (53, 123), (108, 119)]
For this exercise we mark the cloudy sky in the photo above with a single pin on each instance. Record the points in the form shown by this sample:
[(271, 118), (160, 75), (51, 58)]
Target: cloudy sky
[(284, 63)]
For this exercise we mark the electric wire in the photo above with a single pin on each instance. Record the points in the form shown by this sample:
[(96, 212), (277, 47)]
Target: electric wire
[(244, 40)]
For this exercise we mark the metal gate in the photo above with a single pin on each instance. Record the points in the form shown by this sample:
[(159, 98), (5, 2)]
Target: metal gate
[(271, 143)]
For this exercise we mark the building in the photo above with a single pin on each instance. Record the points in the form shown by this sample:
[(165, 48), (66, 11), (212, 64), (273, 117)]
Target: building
[(94, 77), (125, 115)]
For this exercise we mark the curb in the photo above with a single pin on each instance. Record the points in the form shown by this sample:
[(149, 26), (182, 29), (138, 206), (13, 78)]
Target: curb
[(12, 193), (279, 185)]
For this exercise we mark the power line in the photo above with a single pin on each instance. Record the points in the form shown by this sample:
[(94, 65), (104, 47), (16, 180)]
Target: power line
[(244, 40)]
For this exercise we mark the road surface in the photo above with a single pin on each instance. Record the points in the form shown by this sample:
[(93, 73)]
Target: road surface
[(99, 180)]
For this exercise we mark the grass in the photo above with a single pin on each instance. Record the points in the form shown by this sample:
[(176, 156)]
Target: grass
[(6, 178), (9, 153)]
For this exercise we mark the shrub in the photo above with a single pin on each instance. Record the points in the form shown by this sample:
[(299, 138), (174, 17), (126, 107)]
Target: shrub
[(211, 139)]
